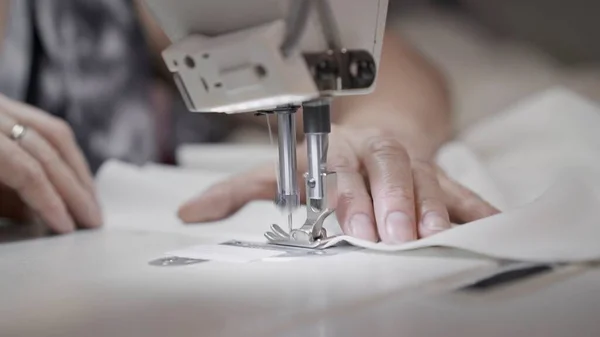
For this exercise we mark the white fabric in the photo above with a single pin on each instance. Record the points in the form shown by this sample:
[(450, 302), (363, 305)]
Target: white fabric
[(539, 162), (224, 253)]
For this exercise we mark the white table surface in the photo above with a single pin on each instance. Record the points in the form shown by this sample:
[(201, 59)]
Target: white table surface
[(564, 303), (100, 283)]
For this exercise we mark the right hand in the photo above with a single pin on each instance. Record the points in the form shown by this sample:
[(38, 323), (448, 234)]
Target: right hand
[(383, 193), (44, 170)]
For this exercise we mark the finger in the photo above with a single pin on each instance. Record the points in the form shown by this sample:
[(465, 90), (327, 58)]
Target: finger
[(431, 210), (355, 206), (463, 204), (390, 178), (57, 132), (226, 198), (79, 201), (21, 172)]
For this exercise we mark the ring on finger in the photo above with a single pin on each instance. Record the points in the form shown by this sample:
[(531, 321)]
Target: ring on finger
[(17, 132)]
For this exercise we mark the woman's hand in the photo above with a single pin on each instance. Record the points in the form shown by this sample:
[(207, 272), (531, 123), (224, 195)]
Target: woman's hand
[(383, 193), (44, 169)]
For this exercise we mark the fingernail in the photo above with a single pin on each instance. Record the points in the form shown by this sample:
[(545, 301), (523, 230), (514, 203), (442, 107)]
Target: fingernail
[(399, 228), (197, 210), (188, 204), (198, 199), (362, 227), (91, 215), (62, 224), (96, 216), (185, 212), (434, 222)]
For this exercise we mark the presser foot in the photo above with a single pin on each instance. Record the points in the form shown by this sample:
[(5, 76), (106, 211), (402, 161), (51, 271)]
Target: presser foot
[(311, 234), (297, 238)]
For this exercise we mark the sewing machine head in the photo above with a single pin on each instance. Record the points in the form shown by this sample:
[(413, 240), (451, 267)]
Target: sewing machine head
[(236, 56), (274, 56)]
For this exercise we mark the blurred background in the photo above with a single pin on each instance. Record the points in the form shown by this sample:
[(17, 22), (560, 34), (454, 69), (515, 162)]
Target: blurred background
[(90, 61)]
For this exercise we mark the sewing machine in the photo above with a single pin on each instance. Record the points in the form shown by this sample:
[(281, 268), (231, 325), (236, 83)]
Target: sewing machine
[(273, 57)]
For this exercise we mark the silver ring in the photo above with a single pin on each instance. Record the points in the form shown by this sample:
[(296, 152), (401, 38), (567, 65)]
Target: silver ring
[(17, 132)]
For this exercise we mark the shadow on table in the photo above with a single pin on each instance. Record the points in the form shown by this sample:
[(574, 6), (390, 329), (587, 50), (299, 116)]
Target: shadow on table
[(13, 232)]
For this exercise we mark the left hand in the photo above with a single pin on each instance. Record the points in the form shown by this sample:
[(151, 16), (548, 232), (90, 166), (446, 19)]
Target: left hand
[(383, 193)]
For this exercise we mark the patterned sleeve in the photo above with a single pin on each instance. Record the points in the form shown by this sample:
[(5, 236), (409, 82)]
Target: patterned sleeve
[(88, 63), (93, 72)]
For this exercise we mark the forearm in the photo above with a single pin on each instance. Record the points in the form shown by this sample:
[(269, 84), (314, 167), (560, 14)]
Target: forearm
[(156, 39), (411, 99)]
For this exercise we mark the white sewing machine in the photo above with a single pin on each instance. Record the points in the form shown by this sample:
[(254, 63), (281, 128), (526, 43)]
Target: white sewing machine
[(274, 56)]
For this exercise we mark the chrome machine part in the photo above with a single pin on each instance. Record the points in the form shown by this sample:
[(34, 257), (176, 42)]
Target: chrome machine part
[(316, 144), (311, 234), (321, 185), (288, 195), (317, 126), (271, 54)]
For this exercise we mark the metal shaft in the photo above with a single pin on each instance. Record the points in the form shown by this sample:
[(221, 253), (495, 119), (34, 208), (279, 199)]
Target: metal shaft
[(288, 194), (317, 125), (317, 160)]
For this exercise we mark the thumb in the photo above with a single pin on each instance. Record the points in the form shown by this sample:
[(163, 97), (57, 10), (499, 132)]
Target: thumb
[(226, 198)]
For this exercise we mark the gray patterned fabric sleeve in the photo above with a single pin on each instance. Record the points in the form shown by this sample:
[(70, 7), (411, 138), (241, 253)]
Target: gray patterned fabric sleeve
[(87, 61)]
